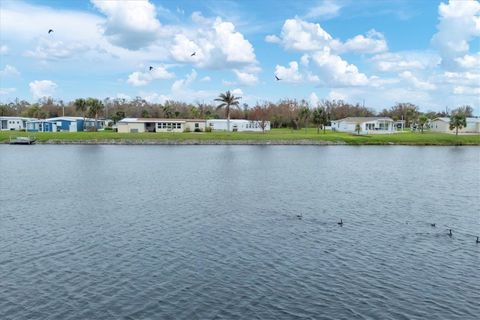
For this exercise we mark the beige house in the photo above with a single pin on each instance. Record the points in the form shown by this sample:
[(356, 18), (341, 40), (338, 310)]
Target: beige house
[(368, 125), (443, 125), (160, 125)]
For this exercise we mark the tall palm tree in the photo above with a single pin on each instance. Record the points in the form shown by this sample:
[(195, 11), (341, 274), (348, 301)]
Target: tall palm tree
[(458, 121), (318, 118), (95, 106), (422, 121), (81, 105), (227, 100), (305, 115)]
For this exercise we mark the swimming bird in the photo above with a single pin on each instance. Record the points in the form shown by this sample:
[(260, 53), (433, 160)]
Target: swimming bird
[(50, 31), (478, 241), (432, 225), (278, 79), (340, 223), (450, 232), (300, 216), (193, 54), (151, 68)]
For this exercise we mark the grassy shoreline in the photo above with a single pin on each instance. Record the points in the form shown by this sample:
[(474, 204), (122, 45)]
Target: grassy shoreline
[(275, 136)]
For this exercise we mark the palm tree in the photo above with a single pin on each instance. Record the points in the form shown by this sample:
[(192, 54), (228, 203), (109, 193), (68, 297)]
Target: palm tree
[(81, 105), (458, 121), (95, 107), (358, 128), (422, 121), (227, 99), (318, 118), (167, 110), (305, 115)]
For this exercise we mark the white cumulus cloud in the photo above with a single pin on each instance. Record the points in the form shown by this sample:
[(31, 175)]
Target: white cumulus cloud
[(337, 71), (314, 99), (42, 88), (373, 42), (138, 78), (301, 35), (417, 83), (130, 24), (459, 24), (290, 73), (182, 84), (246, 78), (327, 9), (405, 60), (237, 92), (469, 61), (9, 71), (216, 45)]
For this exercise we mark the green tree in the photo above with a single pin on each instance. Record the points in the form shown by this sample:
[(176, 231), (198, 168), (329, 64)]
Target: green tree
[(167, 111), (81, 106), (305, 113), (422, 121), (318, 118), (95, 106), (458, 121), (358, 128), (227, 100)]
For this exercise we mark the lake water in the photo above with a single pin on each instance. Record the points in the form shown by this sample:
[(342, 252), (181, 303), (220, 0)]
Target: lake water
[(210, 232)]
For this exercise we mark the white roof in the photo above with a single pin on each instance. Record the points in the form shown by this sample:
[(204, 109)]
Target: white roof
[(12, 118), (446, 119), (231, 120), (65, 118)]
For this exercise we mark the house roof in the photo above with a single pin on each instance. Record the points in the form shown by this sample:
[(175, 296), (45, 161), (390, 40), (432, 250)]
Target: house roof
[(232, 120), (446, 119), (142, 120), (65, 118), (364, 119), (21, 118)]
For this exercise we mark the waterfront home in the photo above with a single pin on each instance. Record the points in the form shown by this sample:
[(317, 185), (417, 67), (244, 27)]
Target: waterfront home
[(443, 125), (160, 125), (61, 124), (14, 123), (368, 125), (237, 125), (41, 125), (69, 124)]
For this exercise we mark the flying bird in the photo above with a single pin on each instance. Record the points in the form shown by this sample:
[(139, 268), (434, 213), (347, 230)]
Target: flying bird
[(193, 54), (50, 31), (278, 79), (151, 68)]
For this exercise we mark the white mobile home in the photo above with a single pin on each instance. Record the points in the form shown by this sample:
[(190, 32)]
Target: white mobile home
[(238, 125), (368, 125), (14, 123), (443, 125), (160, 125)]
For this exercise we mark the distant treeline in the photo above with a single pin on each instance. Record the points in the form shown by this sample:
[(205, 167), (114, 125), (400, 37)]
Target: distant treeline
[(284, 113)]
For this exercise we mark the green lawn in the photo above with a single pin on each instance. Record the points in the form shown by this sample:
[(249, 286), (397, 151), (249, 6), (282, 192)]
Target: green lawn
[(274, 135)]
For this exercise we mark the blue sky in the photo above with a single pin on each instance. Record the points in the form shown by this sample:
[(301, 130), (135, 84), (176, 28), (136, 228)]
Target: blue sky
[(380, 52)]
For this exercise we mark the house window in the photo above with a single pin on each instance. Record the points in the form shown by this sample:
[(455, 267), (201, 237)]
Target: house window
[(197, 125)]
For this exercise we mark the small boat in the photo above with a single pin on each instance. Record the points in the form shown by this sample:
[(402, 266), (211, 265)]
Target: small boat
[(22, 140)]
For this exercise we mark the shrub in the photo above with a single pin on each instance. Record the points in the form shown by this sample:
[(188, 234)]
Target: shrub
[(208, 129), (198, 130)]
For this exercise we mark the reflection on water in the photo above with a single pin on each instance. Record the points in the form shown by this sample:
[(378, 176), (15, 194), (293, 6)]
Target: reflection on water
[(210, 232)]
